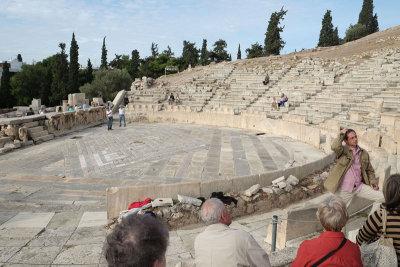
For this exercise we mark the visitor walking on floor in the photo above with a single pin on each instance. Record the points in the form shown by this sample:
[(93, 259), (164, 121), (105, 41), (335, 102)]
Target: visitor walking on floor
[(353, 173), (109, 118), (122, 115)]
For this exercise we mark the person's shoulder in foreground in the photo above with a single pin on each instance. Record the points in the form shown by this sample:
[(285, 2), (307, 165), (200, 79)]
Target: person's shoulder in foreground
[(220, 245)]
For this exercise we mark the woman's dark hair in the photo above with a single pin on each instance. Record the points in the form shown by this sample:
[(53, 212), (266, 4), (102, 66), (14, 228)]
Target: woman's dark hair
[(138, 241), (391, 192), (346, 135)]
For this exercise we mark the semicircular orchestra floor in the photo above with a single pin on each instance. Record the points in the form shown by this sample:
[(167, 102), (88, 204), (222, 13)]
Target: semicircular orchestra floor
[(81, 165)]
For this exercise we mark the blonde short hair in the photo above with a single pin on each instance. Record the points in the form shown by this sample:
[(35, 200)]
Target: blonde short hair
[(332, 213)]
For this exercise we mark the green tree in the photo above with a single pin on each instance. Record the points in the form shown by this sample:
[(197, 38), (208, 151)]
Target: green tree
[(6, 99), (256, 50), (19, 57), (168, 52), (239, 53), (89, 72), (103, 64), (219, 52), (154, 50), (190, 55), (204, 54), (107, 83), (116, 63), (273, 42), (355, 32), (327, 34), (134, 64), (367, 18), (73, 81), (34, 81), (60, 78)]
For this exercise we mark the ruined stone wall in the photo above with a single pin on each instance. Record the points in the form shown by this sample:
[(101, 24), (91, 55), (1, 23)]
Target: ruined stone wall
[(64, 122), (19, 131)]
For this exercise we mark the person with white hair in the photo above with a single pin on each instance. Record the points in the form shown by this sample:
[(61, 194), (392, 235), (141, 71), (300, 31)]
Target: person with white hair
[(220, 245), (331, 248)]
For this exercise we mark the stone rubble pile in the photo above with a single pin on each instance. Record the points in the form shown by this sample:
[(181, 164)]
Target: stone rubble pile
[(185, 210)]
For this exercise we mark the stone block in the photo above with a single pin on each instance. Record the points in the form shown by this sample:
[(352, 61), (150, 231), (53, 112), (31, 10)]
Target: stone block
[(383, 175), (292, 180), (278, 180), (243, 182), (189, 200), (268, 177), (292, 225), (281, 185), (267, 190), (252, 190), (4, 140), (162, 202), (389, 145), (207, 187)]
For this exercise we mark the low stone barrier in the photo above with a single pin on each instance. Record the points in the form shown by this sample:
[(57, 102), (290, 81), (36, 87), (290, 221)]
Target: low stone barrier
[(119, 198)]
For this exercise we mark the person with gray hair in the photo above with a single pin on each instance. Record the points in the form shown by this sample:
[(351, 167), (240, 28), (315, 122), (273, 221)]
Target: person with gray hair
[(137, 241), (331, 248), (220, 245)]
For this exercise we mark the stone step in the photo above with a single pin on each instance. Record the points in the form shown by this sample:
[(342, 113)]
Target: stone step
[(35, 129), (31, 124), (44, 138), (36, 135)]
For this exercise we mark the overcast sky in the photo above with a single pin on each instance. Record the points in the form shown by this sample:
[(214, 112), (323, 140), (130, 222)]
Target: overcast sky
[(34, 28)]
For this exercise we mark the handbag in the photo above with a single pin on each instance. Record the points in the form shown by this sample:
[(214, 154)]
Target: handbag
[(381, 252), (330, 253)]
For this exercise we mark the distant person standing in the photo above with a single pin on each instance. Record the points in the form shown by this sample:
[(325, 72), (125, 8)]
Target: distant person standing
[(84, 106), (266, 80), (122, 115), (109, 118), (171, 99)]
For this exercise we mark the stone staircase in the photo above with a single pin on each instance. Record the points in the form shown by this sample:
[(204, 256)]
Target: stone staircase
[(37, 132)]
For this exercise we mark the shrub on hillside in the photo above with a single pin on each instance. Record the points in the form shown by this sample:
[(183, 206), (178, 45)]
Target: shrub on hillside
[(107, 83), (355, 32)]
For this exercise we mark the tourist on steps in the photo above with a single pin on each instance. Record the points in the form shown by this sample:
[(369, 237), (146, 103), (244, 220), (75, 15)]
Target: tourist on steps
[(353, 174), (137, 241), (266, 80), (219, 245), (332, 214), (284, 99), (171, 99)]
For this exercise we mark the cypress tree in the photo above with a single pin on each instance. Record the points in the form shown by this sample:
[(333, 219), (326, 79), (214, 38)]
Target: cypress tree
[(273, 42), (239, 53), (104, 55), (134, 65), (154, 50), (328, 36), (204, 54), (60, 77), (73, 82), (367, 18), (89, 72), (6, 99)]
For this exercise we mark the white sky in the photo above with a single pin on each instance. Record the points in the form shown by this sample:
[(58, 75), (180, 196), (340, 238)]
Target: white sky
[(34, 28)]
